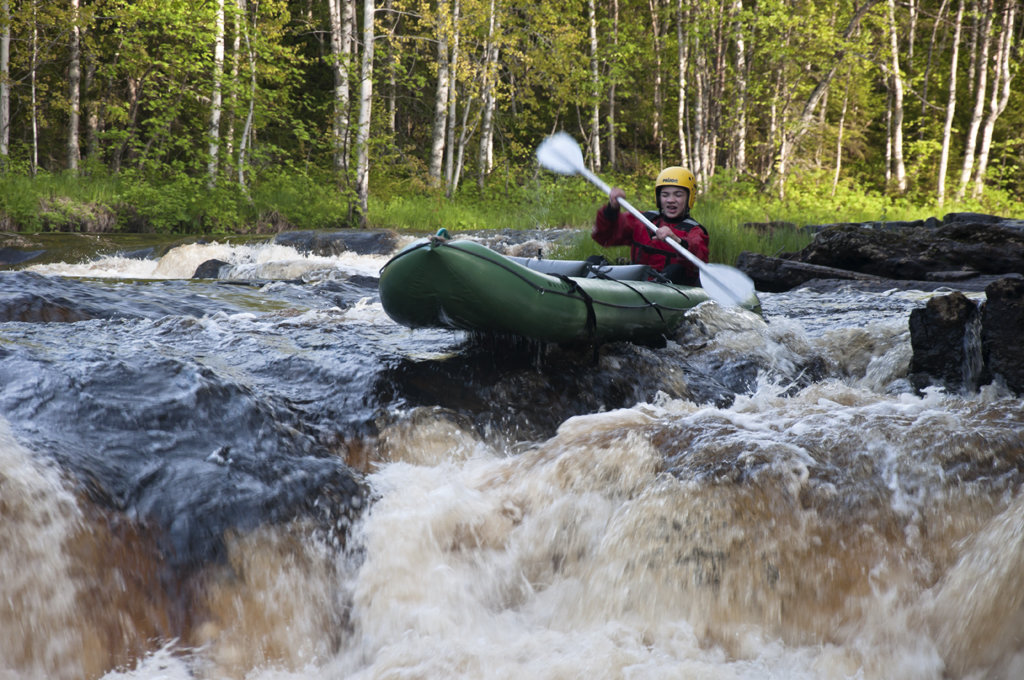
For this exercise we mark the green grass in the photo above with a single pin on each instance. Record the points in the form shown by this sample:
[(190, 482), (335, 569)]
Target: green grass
[(739, 216)]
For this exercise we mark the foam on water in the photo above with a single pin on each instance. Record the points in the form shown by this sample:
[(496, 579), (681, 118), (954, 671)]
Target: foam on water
[(813, 536), (260, 261), (826, 523)]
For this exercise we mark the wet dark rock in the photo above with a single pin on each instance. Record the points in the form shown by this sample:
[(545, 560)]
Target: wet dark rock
[(9, 256), (209, 269), (962, 247), (777, 275), (29, 308), (960, 345), (940, 334), (138, 254), (1002, 328), (336, 242)]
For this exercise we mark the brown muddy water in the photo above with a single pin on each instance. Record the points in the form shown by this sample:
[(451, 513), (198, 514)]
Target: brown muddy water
[(262, 476)]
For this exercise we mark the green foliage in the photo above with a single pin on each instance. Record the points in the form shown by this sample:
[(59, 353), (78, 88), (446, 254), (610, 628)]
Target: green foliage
[(165, 207), (148, 85), (304, 201)]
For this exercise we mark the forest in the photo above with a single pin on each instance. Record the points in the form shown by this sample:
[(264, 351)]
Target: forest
[(363, 99)]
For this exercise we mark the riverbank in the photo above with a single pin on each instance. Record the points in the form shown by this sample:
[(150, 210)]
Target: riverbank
[(739, 214)]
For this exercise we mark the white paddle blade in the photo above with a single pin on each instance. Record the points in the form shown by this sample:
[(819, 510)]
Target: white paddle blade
[(560, 153), (726, 285)]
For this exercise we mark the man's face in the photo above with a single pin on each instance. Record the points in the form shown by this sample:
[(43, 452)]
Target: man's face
[(673, 201)]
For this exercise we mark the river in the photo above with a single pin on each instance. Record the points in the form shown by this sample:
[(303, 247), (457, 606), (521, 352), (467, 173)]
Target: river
[(262, 476)]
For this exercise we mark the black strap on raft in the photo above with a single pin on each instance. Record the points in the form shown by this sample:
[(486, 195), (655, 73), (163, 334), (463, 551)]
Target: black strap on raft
[(591, 325), (595, 265)]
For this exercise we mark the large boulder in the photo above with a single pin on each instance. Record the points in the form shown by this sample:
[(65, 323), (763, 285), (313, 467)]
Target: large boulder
[(962, 247), (959, 345), (777, 274), (1002, 327), (940, 335), (957, 250)]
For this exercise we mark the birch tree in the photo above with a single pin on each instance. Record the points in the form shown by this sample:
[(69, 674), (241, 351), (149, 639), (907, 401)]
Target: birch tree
[(365, 110), (947, 127), (595, 90), (453, 91), (1000, 92), (896, 80), (243, 141), (740, 133), (610, 135), (440, 95), (341, 19), (74, 89), (5, 81), (682, 55), (656, 134), (791, 136), (488, 96), (216, 95), (983, 41)]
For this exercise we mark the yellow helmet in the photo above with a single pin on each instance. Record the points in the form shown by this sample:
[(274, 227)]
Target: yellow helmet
[(676, 177)]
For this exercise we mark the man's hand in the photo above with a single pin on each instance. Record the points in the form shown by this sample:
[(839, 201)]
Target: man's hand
[(665, 234), (613, 197)]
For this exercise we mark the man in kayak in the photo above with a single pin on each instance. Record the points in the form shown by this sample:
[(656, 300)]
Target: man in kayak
[(675, 194)]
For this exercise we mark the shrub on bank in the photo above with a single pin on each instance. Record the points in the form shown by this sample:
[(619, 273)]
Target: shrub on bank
[(737, 212)]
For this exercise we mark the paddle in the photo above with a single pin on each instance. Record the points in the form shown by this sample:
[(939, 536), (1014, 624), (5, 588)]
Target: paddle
[(725, 285)]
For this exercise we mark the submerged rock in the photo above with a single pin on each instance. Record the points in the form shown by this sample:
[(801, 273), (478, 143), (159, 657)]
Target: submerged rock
[(209, 269), (336, 242)]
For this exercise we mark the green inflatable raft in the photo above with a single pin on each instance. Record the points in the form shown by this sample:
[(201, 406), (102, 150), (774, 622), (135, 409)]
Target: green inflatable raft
[(461, 284)]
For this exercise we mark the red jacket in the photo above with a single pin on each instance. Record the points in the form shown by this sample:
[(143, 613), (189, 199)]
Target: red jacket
[(618, 228)]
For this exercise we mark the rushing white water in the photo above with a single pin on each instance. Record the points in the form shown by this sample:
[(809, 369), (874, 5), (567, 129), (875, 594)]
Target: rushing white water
[(829, 523), (248, 261)]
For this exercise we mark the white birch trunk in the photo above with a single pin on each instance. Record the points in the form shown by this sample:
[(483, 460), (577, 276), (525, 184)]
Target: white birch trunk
[(74, 90), (947, 128), (466, 131), (236, 69), (453, 92), (32, 80), (216, 95), (888, 137), (899, 167), (1000, 94), (365, 111), (243, 141), (440, 96), (392, 95), (839, 135), (595, 91), (700, 116), (5, 79), (790, 139), (487, 94), (740, 154), (980, 87), (341, 19), (681, 57), (656, 133), (611, 134)]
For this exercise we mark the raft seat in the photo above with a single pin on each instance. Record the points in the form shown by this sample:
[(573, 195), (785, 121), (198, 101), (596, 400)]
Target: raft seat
[(574, 268), (622, 272), (582, 269)]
